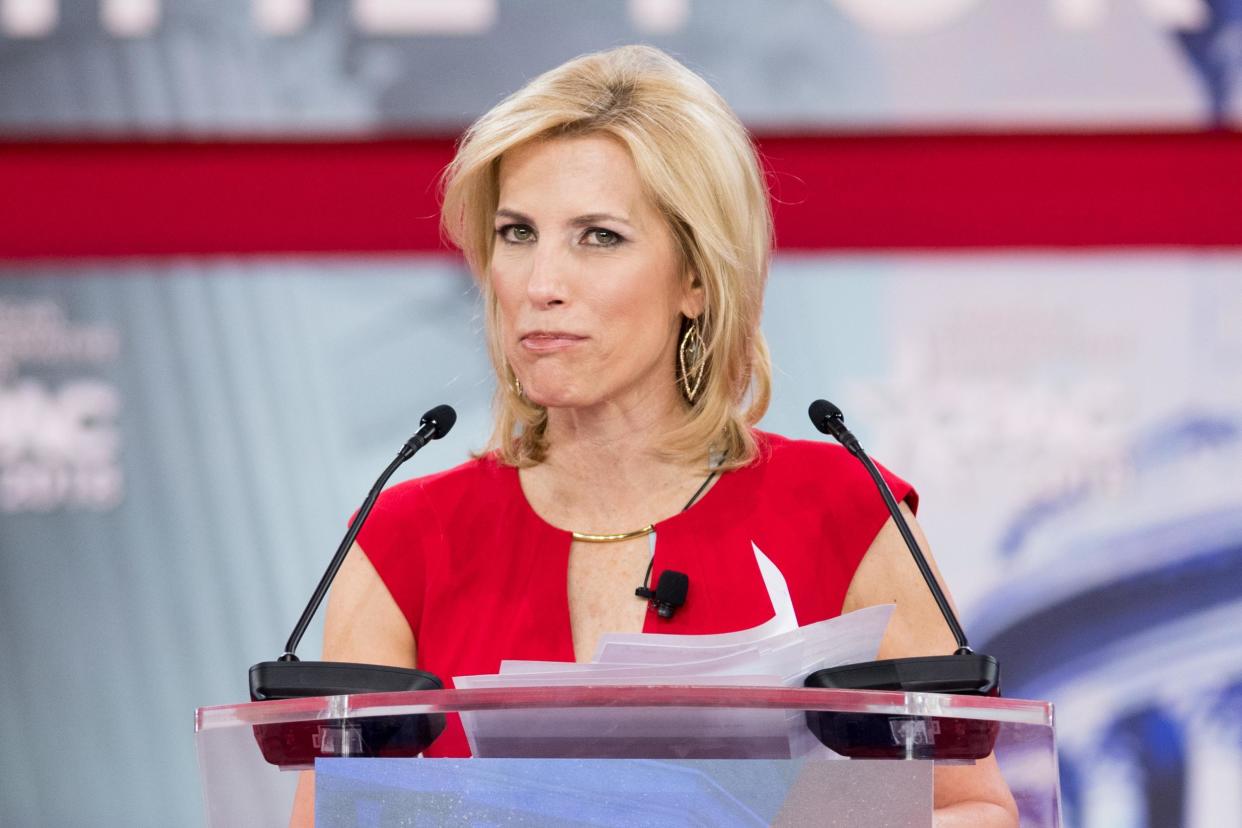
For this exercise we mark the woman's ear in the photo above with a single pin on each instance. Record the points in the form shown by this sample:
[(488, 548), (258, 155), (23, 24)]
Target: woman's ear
[(693, 299)]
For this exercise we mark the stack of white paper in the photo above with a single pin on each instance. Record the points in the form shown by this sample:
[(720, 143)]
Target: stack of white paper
[(777, 652), (737, 658)]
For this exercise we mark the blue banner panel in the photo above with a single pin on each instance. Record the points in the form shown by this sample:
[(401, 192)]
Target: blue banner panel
[(620, 792)]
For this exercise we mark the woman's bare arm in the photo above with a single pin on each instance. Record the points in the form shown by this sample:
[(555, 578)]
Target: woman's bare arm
[(974, 795), (364, 625)]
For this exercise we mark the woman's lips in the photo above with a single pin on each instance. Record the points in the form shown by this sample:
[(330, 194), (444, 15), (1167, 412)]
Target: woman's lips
[(547, 341)]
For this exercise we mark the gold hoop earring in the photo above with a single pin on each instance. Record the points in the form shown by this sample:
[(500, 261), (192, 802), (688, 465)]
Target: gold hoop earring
[(692, 358)]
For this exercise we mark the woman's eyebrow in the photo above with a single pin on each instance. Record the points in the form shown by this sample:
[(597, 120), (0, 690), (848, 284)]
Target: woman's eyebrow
[(595, 218), (505, 212), (585, 220)]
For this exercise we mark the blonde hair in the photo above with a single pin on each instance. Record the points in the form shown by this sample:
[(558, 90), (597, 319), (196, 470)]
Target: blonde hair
[(699, 168)]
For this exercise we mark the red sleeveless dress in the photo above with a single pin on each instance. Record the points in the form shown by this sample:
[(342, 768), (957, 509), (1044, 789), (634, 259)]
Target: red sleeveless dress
[(482, 578)]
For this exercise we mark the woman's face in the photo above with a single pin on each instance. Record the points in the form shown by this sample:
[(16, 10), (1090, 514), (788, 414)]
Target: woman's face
[(586, 272)]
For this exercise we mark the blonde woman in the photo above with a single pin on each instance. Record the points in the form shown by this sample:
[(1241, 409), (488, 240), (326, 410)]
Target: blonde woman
[(615, 216)]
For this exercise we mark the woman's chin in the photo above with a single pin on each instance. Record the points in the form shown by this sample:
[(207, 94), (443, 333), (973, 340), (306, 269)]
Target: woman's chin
[(560, 395), (584, 396), (556, 400)]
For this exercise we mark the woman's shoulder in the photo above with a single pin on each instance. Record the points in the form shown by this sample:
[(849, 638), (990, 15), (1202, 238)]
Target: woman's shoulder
[(475, 476), (798, 457), (420, 507), (802, 465)]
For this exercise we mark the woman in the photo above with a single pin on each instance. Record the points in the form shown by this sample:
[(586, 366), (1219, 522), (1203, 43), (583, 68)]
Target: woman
[(615, 216)]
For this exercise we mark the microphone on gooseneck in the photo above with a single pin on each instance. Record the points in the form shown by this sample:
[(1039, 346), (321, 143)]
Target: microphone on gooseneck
[(829, 420), (965, 672), (287, 677)]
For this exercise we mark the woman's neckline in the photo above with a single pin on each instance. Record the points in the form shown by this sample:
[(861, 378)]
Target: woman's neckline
[(702, 503)]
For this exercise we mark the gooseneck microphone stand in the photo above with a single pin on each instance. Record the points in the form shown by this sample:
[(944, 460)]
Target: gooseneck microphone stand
[(964, 672), (288, 677)]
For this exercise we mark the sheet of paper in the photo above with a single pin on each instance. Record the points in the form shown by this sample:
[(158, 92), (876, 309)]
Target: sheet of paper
[(774, 653), (845, 639), (790, 655), (568, 673)]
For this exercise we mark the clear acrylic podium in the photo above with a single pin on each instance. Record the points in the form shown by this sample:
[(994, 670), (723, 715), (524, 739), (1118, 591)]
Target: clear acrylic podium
[(675, 755)]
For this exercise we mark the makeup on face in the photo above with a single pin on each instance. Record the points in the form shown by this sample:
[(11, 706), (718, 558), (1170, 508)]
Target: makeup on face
[(586, 274)]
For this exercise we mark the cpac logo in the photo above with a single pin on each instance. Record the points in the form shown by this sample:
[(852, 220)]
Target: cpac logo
[(59, 447), (134, 18)]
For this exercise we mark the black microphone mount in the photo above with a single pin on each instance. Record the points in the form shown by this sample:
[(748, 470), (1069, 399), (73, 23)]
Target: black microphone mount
[(296, 745), (964, 672), (288, 677)]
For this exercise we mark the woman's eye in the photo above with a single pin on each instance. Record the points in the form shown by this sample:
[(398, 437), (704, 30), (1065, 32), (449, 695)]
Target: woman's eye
[(515, 233), (599, 237)]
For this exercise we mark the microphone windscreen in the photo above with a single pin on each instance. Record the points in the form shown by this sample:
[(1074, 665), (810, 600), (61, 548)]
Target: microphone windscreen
[(442, 417), (672, 587), (821, 411)]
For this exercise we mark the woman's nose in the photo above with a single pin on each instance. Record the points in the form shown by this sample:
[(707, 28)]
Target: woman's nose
[(549, 278)]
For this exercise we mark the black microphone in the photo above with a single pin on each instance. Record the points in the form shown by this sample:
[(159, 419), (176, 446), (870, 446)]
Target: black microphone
[(434, 424), (963, 673), (669, 594), (297, 744), (829, 420)]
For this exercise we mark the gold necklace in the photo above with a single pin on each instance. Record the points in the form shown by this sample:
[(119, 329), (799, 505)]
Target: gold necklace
[(590, 537), (587, 537)]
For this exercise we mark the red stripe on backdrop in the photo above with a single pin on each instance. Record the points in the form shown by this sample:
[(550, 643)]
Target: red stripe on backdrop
[(840, 192), (173, 198)]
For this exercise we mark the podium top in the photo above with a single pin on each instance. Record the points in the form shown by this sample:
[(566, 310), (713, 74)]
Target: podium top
[(1014, 711), (245, 749)]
